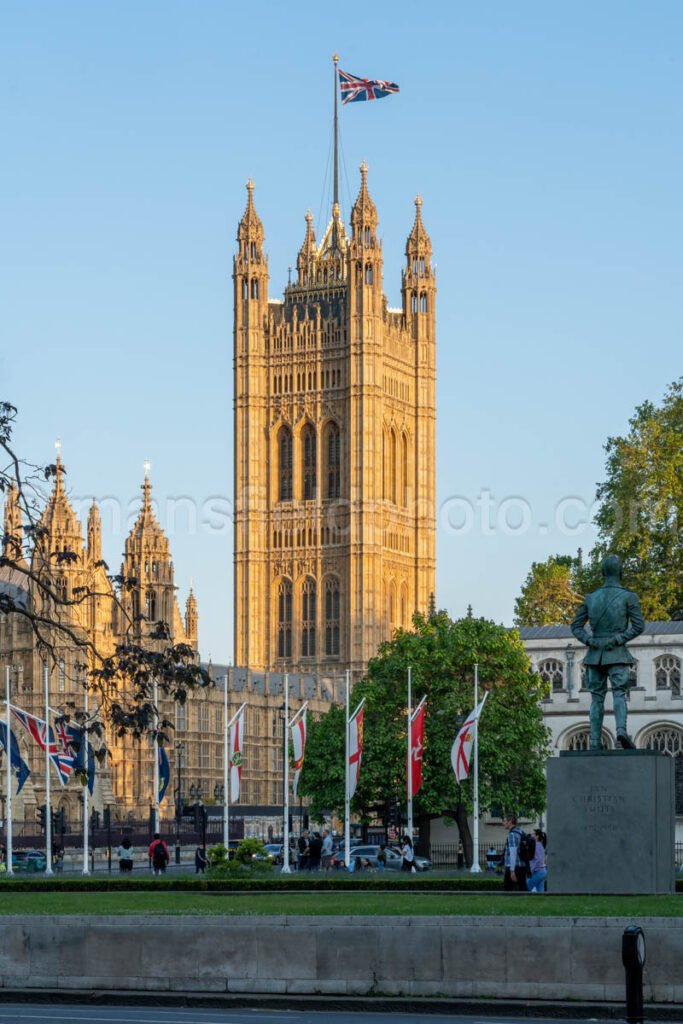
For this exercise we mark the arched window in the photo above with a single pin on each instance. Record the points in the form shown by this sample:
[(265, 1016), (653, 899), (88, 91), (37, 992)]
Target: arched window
[(404, 605), (392, 605), (423, 302), (285, 463), (552, 671), (61, 676), (61, 588), (368, 273), (254, 288), (332, 617), (581, 740), (245, 289), (668, 673), (308, 603), (393, 459), (404, 470), (309, 462), (413, 302), (333, 461), (151, 606), (284, 619), (669, 740)]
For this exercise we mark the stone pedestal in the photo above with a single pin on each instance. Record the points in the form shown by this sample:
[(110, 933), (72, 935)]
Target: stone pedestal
[(611, 822)]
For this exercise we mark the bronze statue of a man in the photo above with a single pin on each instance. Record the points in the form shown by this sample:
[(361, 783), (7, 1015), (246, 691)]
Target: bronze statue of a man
[(615, 618)]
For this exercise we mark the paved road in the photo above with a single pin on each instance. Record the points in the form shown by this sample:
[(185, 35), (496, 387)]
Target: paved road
[(62, 1013)]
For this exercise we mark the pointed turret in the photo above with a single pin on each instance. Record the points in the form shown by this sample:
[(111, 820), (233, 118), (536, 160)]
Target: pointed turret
[(12, 534), (419, 243), (307, 252), (419, 285), (250, 230), (94, 534), (147, 559), (62, 530), (250, 267), (191, 618), (364, 217)]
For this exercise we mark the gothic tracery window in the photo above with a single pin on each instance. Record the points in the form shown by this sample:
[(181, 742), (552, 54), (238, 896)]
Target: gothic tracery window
[(151, 606), (285, 464), (284, 618), (581, 740), (308, 609), (333, 461), (668, 673), (308, 442), (332, 617), (669, 740), (552, 671)]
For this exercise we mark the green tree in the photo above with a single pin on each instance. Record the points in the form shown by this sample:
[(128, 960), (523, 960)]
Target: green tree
[(640, 516), (513, 742), (550, 595)]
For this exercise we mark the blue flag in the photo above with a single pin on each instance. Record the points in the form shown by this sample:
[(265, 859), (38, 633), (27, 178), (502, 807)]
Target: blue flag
[(164, 773), (19, 766)]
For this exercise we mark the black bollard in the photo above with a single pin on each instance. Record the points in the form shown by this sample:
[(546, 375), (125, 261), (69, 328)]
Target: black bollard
[(633, 959)]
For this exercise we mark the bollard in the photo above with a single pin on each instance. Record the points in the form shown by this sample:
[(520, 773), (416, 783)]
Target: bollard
[(177, 852), (633, 959)]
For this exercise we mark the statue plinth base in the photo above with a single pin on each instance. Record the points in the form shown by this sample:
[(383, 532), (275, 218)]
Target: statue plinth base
[(611, 822)]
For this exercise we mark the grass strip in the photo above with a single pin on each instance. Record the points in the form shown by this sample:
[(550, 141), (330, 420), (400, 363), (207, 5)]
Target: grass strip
[(335, 903)]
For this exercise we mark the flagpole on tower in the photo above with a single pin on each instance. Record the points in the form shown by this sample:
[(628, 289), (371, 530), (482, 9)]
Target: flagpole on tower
[(285, 826), (335, 198), (347, 798), (156, 756), (8, 755), (410, 753), (48, 801), (476, 867), (226, 777)]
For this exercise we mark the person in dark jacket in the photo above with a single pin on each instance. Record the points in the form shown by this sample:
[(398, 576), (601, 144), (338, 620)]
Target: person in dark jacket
[(200, 861), (315, 848)]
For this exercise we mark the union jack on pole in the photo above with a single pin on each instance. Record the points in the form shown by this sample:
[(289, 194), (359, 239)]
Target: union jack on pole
[(355, 90), (60, 753)]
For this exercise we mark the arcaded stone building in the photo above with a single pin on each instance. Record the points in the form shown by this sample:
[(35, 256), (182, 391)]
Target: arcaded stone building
[(334, 434)]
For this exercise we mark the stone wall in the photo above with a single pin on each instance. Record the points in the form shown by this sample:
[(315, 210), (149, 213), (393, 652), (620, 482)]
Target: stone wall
[(496, 957)]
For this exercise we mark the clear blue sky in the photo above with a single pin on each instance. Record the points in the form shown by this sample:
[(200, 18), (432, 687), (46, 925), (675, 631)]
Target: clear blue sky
[(545, 140)]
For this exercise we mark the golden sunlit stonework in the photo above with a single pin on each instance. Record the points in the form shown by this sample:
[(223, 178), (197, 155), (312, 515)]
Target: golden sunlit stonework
[(125, 781), (334, 446)]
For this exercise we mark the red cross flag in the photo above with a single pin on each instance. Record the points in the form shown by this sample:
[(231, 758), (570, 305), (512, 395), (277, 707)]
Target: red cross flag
[(299, 745), (355, 750), (462, 748), (236, 735)]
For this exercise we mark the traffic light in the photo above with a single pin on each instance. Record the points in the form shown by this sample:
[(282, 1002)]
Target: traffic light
[(58, 821), (394, 812), (42, 814), (95, 820), (197, 810)]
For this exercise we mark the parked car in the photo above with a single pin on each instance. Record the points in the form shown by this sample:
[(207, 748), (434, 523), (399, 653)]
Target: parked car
[(29, 860), (272, 852), (394, 858)]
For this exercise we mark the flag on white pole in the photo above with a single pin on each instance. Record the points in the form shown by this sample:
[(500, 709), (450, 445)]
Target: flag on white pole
[(236, 735), (299, 745), (462, 748), (355, 749)]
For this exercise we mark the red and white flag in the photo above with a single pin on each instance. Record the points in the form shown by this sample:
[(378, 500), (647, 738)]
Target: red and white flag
[(235, 756), (417, 735), (355, 750), (299, 744), (462, 748)]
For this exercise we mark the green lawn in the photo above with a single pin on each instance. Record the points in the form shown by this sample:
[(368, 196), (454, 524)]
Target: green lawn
[(367, 904)]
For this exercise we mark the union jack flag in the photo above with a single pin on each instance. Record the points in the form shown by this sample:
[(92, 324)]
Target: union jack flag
[(59, 750), (354, 90)]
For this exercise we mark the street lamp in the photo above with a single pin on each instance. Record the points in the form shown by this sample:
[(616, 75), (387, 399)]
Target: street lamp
[(193, 793), (179, 757), (285, 824), (219, 793)]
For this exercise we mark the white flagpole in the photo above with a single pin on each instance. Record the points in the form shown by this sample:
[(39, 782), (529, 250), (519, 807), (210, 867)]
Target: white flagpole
[(8, 755), (226, 780), (228, 725), (286, 870), (86, 794), (156, 756), (48, 801), (409, 761), (476, 867), (347, 798)]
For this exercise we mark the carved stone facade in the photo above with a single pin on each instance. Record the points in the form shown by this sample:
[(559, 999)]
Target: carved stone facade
[(125, 782), (334, 435)]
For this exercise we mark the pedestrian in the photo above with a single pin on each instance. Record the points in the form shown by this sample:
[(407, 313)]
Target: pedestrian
[(158, 855), (408, 854), (382, 857), (315, 850), (125, 855), (201, 862), (539, 872), (515, 868), (328, 847), (303, 850)]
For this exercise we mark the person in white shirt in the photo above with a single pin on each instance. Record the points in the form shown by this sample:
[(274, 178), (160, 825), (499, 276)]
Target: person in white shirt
[(408, 855)]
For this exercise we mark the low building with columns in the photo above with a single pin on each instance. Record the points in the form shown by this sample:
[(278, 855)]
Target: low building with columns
[(655, 699)]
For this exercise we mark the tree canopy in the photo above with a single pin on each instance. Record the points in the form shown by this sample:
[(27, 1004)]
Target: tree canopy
[(550, 593), (513, 742)]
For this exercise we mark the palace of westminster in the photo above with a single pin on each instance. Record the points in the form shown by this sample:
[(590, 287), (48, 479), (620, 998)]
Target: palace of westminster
[(334, 530)]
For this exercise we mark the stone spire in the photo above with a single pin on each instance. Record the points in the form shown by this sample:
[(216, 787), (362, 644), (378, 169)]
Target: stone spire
[(250, 227), (12, 533), (419, 242), (63, 530), (94, 534), (191, 618), (364, 212)]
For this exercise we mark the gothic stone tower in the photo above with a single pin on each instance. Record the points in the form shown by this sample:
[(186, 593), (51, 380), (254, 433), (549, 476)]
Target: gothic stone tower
[(334, 438)]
